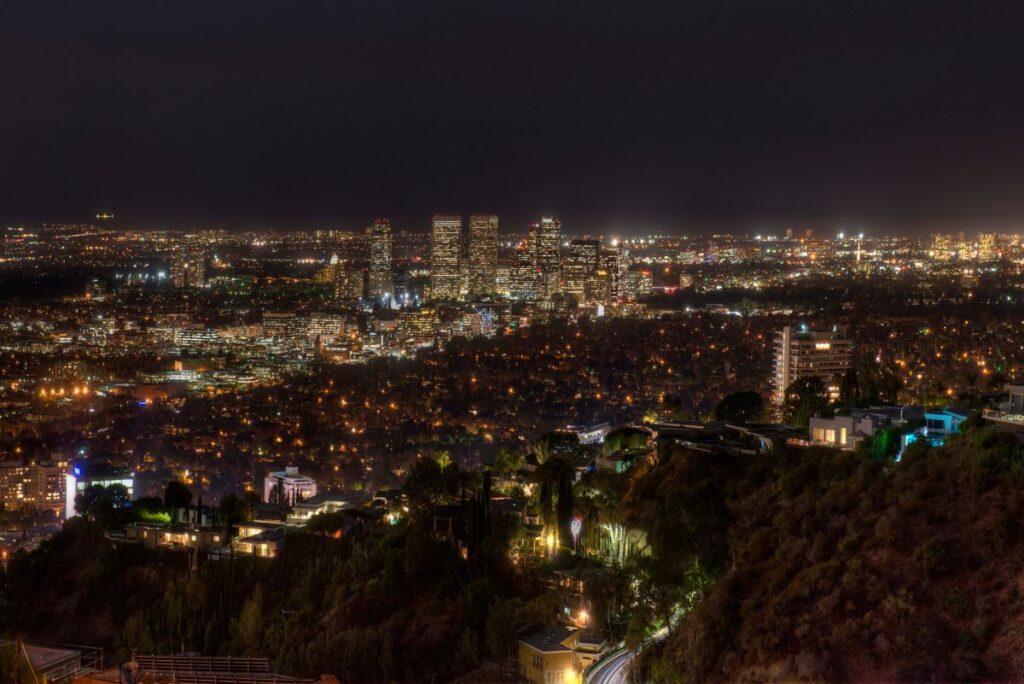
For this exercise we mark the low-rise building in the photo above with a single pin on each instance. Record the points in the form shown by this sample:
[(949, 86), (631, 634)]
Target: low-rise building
[(938, 427), (846, 431), (302, 511), (157, 535), (293, 486), (557, 654), (85, 474), (259, 538), (1010, 413)]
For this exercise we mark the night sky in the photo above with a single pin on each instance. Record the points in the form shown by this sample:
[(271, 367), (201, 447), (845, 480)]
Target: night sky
[(624, 116)]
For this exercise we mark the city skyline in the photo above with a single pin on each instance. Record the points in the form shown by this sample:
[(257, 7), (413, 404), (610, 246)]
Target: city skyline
[(455, 341)]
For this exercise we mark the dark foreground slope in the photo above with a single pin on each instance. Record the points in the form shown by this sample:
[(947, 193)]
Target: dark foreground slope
[(841, 568)]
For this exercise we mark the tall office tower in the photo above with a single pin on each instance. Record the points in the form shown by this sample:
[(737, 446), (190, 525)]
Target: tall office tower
[(503, 279), (987, 247), (483, 254), (597, 286), (942, 247), (523, 277), (349, 283), (584, 257), (326, 275), (803, 353), (445, 255), (379, 280), (789, 233), (463, 278), (549, 256), (188, 269), (615, 260)]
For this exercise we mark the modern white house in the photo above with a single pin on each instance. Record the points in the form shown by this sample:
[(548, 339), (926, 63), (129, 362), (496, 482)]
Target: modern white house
[(294, 487), (845, 431)]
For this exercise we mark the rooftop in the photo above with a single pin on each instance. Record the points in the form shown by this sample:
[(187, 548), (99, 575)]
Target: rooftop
[(548, 639)]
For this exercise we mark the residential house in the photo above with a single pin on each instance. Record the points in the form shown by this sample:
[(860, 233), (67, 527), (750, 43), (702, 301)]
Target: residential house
[(557, 654)]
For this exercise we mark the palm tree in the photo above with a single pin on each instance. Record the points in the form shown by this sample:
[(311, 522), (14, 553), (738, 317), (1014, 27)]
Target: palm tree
[(15, 667)]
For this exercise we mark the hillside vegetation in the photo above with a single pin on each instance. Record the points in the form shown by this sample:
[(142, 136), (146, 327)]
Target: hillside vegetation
[(838, 567)]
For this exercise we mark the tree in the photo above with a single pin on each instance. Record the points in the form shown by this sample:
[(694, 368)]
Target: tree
[(565, 510), (465, 657), (507, 462), (804, 398), (248, 628), (231, 511), (556, 444), (14, 666), (177, 496), (740, 407), (106, 505), (118, 494), (425, 484), (625, 439), (279, 498), (88, 498), (443, 458)]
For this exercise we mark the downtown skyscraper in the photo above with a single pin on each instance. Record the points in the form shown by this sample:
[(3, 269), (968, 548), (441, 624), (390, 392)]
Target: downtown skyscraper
[(445, 255), (584, 256), (483, 254), (379, 279), (548, 256), (188, 269)]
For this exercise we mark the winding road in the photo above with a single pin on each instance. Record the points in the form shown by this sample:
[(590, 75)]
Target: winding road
[(612, 669)]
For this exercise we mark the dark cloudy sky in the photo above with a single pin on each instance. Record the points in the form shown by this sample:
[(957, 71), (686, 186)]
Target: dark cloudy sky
[(624, 115)]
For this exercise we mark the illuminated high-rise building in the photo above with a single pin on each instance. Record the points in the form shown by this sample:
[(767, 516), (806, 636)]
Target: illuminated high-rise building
[(379, 280), (584, 258), (188, 269), (503, 279), (419, 326), (523, 275), (615, 260), (942, 247), (597, 286), (549, 256), (445, 257), (987, 247), (804, 353), (349, 283), (483, 254)]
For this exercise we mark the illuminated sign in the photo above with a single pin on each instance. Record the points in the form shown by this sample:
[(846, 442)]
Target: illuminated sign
[(822, 346)]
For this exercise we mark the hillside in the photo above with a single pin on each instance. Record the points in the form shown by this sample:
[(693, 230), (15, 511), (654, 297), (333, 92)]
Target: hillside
[(842, 568)]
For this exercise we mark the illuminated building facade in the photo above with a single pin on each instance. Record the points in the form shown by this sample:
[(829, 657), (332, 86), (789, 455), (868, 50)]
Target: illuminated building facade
[(445, 257), (188, 269), (548, 255), (32, 485), (349, 282), (292, 486), (379, 281), (942, 247), (804, 353), (83, 475), (420, 326), (483, 254), (583, 259), (987, 247), (523, 275), (616, 263)]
